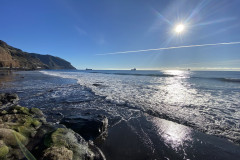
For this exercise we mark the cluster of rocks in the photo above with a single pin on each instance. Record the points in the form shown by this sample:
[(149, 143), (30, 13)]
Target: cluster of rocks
[(7, 99), (24, 133)]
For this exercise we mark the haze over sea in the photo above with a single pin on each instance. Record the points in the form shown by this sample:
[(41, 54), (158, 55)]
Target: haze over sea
[(205, 100)]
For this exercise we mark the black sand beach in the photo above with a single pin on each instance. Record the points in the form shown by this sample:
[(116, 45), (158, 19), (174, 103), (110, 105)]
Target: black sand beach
[(132, 134)]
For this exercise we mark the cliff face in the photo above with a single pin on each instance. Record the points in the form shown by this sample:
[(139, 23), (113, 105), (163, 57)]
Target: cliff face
[(6, 60), (53, 62), (11, 57)]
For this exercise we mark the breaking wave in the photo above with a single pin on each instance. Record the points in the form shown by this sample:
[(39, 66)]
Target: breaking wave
[(199, 99)]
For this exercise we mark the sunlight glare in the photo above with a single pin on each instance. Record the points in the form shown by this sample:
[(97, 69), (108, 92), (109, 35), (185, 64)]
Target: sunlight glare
[(179, 28)]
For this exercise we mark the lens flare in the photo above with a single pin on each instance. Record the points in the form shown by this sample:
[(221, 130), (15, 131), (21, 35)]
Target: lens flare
[(179, 28)]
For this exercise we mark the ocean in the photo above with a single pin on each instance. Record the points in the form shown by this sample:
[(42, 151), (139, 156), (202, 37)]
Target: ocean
[(169, 114), (206, 100)]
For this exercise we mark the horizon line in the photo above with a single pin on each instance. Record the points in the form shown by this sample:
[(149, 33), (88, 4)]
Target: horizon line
[(175, 68)]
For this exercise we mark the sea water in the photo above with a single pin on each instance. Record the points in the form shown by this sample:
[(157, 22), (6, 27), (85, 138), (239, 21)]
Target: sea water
[(151, 114), (208, 101)]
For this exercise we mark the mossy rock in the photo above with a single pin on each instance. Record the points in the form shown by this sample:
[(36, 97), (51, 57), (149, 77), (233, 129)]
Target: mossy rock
[(58, 137), (19, 109), (26, 131), (14, 126), (65, 138), (7, 135), (36, 112), (36, 123), (58, 153), (29, 121), (24, 110), (4, 112), (3, 151), (47, 140)]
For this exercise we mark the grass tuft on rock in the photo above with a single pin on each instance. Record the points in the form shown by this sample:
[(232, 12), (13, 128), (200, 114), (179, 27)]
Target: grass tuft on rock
[(3, 151)]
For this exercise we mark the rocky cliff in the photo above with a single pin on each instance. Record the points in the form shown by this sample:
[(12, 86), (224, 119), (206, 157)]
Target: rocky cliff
[(53, 62), (11, 57)]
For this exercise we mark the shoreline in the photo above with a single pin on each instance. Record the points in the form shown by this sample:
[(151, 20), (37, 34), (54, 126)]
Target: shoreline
[(95, 86), (134, 138), (37, 138)]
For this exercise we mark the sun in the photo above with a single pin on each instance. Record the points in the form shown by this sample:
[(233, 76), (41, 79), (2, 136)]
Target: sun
[(179, 28)]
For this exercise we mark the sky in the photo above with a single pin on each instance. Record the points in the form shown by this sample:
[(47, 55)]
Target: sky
[(83, 31)]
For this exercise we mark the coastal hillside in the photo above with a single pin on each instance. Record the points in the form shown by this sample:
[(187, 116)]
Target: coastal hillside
[(15, 58), (53, 62)]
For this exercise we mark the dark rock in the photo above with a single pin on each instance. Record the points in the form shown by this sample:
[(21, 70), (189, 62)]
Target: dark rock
[(50, 90), (44, 140), (8, 99), (59, 114), (17, 121), (96, 85), (88, 126), (74, 146), (97, 152), (58, 153), (37, 112)]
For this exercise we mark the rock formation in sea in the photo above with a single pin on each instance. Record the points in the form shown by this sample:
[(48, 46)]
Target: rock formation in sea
[(25, 133), (90, 127), (11, 57)]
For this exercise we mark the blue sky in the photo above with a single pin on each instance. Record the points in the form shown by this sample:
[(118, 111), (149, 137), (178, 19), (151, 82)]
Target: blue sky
[(78, 30)]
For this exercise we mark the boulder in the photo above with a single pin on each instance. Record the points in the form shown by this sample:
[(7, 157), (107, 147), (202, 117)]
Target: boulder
[(18, 126), (88, 126), (76, 147), (58, 153), (8, 137)]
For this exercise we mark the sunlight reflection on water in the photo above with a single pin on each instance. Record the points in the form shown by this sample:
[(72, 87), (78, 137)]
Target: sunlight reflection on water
[(199, 99), (179, 73), (174, 135)]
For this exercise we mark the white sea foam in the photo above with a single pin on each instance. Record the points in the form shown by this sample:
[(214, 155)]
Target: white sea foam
[(212, 106)]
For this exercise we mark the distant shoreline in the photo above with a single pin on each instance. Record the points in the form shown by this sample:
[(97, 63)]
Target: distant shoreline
[(22, 69)]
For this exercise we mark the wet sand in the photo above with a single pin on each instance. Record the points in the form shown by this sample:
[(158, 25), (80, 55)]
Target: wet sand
[(149, 137)]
